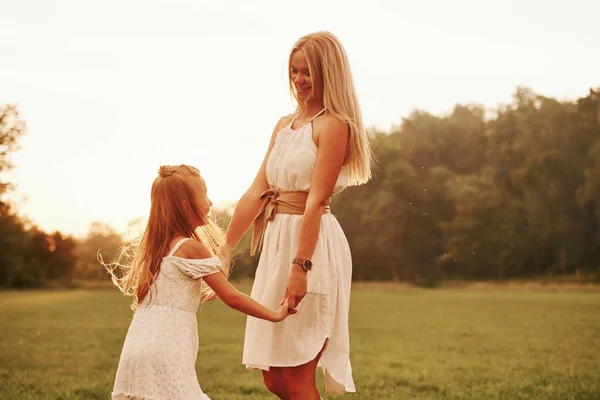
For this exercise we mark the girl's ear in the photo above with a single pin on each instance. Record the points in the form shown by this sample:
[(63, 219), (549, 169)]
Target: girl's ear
[(187, 208)]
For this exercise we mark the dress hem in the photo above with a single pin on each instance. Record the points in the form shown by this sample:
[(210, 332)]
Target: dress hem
[(296, 364), (131, 396), (128, 396)]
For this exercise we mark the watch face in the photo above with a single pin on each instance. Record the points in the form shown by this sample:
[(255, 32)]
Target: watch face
[(307, 264)]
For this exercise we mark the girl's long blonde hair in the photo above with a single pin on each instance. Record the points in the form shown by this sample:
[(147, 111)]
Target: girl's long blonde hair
[(331, 75), (172, 200)]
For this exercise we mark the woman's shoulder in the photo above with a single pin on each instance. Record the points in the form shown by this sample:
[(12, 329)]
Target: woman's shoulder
[(284, 121), (330, 124), (330, 120)]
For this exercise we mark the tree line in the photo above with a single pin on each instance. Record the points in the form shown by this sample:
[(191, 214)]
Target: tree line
[(475, 194)]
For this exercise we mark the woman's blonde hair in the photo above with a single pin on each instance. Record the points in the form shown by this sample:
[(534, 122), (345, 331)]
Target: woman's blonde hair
[(172, 199), (331, 75)]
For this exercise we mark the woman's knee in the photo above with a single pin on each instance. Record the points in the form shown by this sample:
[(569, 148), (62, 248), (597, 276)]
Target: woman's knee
[(274, 382), (298, 380)]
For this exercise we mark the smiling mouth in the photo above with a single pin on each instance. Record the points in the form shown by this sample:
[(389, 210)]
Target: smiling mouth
[(299, 90)]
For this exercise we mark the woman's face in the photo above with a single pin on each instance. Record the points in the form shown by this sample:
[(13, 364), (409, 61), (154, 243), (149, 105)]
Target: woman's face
[(301, 79)]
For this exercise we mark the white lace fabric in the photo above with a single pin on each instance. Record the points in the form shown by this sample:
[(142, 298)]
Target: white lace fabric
[(159, 354)]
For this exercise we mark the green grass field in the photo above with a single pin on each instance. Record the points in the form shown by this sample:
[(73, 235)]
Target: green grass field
[(406, 344)]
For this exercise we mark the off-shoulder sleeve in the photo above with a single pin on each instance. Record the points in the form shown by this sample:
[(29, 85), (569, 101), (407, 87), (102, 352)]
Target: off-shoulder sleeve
[(196, 269)]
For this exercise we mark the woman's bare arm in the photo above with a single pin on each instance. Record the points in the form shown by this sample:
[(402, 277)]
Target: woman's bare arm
[(249, 204), (333, 141)]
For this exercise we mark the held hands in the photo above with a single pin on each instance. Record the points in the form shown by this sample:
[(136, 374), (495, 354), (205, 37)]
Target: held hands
[(284, 311), (296, 287)]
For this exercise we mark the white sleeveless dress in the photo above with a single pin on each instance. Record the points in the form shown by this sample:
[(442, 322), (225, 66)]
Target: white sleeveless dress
[(159, 354), (323, 313)]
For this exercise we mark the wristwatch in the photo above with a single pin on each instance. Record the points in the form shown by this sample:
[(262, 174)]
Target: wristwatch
[(305, 264)]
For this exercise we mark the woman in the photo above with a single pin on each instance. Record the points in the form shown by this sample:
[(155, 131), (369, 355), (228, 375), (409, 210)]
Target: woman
[(314, 153)]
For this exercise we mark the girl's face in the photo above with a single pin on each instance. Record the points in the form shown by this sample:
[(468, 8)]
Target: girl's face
[(203, 203), (300, 76)]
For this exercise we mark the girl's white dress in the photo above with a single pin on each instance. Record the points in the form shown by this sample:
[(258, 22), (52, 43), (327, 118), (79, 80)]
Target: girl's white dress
[(323, 313), (159, 354)]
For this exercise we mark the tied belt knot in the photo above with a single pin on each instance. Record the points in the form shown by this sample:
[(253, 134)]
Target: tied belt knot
[(273, 203)]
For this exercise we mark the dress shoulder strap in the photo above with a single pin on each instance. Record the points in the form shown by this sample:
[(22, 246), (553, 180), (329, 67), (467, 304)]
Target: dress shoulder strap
[(177, 246), (316, 115)]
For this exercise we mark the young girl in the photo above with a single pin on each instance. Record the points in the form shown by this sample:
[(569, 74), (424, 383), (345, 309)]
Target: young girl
[(178, 262)]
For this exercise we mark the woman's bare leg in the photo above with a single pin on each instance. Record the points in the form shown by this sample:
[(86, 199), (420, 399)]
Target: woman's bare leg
[(273, 379), (300, 382)]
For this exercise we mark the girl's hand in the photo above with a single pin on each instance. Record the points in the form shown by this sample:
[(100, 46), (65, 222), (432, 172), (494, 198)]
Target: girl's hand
[(284, 312)]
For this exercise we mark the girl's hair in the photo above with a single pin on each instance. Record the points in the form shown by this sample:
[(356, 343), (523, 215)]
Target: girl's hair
[(172, 200), (331, 75)]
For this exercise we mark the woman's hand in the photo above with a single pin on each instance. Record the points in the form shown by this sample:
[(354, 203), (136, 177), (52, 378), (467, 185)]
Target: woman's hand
[(296, 286)]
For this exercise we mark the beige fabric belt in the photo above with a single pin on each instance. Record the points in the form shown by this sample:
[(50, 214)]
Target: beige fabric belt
[(274, 203)]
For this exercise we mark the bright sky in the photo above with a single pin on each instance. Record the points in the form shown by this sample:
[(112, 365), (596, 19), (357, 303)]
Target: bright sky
[(111, 90)]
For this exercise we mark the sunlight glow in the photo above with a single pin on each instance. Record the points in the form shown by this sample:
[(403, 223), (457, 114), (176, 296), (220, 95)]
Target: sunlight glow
[(112, 90)]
